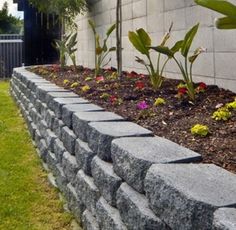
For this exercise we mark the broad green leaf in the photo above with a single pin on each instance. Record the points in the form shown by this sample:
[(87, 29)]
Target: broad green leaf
[(226, 23), (177, 46), (137, 43), (110, 30), (144, 37), (188, 40), (220, 6), (196, 53), (163, 50)]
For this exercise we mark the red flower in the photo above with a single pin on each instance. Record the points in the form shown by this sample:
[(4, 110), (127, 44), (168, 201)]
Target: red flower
[(182, 91), (113, 99), (100, 78), (202, 85), (139, 85)]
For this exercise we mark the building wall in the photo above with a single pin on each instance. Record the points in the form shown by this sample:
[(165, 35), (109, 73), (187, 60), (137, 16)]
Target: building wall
[(216, 66)]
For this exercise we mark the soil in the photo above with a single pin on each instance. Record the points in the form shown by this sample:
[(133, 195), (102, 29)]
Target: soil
[(173, 120)]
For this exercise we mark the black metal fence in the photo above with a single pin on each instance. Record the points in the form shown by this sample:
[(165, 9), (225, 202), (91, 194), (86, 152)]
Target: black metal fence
[(11, 54)]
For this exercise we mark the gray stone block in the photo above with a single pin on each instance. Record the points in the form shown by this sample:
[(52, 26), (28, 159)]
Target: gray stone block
[(80, 121), (42, 90), (225, 219), (57, 127), (57, 103), (51, 95), (87, 191), (35, 116), (51, 161), (68, 138), (108, 217), (43, 150), (84, 156), (59, 149), (105, 179), (37, 137), (49, 118), (135, 212), (101, 135), (61, 179), (32, 128), (133, 156), (69, 166), (74, 203), (42, 127), (185, 196), (89, 221), (68, 110), (50, 138)]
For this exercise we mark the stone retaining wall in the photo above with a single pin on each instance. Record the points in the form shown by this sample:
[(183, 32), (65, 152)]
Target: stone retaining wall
[(116, 174)]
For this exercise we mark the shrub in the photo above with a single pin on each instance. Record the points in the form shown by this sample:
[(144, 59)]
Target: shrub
[(200, 130)]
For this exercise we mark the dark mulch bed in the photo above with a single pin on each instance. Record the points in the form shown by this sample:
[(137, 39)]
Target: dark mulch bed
[(172, 120)]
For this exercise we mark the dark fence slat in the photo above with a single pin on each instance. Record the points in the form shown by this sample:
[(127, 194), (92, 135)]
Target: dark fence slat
[(10, 54)]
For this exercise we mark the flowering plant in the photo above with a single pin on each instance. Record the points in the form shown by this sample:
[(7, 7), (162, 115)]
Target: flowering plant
[(142, 105)]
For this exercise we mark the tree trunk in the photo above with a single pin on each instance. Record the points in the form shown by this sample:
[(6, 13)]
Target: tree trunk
[(119, 37)]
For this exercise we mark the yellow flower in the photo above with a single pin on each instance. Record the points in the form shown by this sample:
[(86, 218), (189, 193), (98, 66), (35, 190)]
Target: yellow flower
[(85, 88), (74, 85), (159, 101), (65, 82)]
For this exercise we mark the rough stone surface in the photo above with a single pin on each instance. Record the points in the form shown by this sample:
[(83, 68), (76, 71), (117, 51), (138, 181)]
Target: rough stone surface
[(61, 179), (49, 118), (185, 196), (105, 179), (43, 150), (134, 155), (101, 135), (42, 127), (80, 121), (84, 156), (59, 149), (87, 191), (69, 166), (51, 161), (50, 138), (225, 219), (57, 127), (89, 221), (68, 138), (74, 203), (108, 217), (135, 212), (68, 110), (57, 103)]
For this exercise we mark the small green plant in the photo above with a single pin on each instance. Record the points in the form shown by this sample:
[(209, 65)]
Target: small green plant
[(200, 130), (221, 114), (186, 68), (101, 51), (224, 7), (231, 105), (66, 46), (159, 101), (142, 43)]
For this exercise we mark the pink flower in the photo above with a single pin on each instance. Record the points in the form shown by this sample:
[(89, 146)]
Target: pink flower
[(202, 85), (142, 105), (182, 91)]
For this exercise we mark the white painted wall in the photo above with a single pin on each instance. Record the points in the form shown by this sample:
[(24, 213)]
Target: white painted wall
[(216, 66)]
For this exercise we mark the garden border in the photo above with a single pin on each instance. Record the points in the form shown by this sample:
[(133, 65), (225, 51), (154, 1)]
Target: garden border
[(116, 174)]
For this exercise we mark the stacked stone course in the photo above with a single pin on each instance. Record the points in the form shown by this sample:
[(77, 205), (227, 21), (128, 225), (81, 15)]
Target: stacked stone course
[(116, 174)]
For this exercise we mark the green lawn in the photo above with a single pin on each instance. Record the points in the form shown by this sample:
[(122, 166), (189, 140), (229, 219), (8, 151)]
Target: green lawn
[(27, 201)]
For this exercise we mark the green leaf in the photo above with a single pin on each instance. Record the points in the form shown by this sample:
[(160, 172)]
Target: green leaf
[(177, 46), (226, 23), (164, 50), (92, 25), (144, 37), (137, 43), (110, 30), (188, 40), (220, 6)]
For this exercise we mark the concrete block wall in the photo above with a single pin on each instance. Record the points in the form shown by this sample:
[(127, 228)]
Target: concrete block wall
[(216, 66), (116, 174)]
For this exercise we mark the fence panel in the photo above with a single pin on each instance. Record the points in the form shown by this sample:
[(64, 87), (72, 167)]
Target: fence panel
[(10, 54)]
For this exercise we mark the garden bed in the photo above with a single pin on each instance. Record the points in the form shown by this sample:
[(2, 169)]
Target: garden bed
[(132, 97)]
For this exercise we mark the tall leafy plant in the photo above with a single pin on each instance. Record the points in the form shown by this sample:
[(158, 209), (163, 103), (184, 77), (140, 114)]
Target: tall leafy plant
[(224, 7), (67, 46), (185, 67), (101, 49), (142, 43)]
